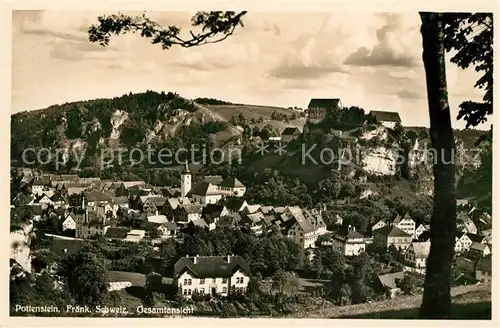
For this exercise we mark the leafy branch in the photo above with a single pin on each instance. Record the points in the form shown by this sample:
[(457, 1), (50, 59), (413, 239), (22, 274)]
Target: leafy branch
[(216, 26)]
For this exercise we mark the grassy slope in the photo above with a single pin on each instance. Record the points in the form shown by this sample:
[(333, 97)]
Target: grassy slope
[(469, 302)]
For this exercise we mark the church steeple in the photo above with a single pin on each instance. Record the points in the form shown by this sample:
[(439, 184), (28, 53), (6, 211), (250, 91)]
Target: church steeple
[(186, 168), (185, 180)]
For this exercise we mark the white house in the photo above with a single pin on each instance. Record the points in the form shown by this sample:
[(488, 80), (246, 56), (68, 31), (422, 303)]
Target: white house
[(467, 239), (69, 222), (350, 242), (481, 249), (167, 230), (92, 224), (417, 253), (232, 187), (302, 226), (212, 275), (406, 224), (420, 230), (205, 193), (459, 247)]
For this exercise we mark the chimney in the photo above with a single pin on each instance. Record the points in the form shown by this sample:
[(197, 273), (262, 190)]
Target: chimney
[(156, 212), (195, 258), (229, 259), (349, 228)]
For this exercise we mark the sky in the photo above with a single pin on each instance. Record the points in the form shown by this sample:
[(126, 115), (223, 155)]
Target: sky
[(371, 60)]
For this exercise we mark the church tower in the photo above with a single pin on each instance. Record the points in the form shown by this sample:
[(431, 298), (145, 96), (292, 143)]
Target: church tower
[(185, 181)]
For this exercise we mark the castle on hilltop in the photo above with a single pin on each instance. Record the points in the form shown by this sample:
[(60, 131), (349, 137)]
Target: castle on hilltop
[(318, 108)]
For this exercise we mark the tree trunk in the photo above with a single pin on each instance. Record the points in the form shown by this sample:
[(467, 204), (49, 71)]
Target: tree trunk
[(437, 299)]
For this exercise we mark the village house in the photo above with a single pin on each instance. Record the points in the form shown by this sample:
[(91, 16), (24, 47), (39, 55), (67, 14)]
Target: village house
[(420, 230), (198, 223), (465, 223), (406, 224), (290, 134), (69, 222), (417, 253), (211, 275), (253, 222), (121, 202), (387, 119), (44, 201), (467, 239), (302, 226), (167, 230), (235, 205), (94, 198), (350, 242), (231, 187), (188, 213), (459, 247), (392, 235), (39, 184), (205, 193), (483, 269), (171, 205), (390, 282), (23, 200), (480, 249), (92, 224), (153, 205), (211, 213)]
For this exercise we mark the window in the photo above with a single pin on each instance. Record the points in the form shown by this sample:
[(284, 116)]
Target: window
[(189, 282), (189, 291), (214, 280), (224, 280), (202, 281), (202, 291), (185, 292), (224, 290)]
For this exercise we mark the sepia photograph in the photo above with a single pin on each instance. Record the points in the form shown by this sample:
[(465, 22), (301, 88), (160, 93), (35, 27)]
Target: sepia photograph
[(251, 164)]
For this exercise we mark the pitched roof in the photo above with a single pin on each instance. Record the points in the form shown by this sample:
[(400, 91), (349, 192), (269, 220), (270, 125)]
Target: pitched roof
[(213, 179), (157, 219), (484, 264), (128, 184), (199, 223), (212, 211), (475, 238), (156, 201), (421, 249), (96, 196), (323, 103), (391, 231), (211, 266), (120, 200), (171, 225), (235, 204), (389, 280), (478, 246), (174, 202), (383, 116), (191, 208), (204, 189), (231, 183), (290, 131)]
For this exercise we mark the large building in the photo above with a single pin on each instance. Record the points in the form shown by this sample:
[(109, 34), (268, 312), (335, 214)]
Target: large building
[(387, 119), (214, 275)]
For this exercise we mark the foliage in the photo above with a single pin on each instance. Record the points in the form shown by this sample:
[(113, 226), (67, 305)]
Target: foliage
[(470, 37), (408, 284), (86, 275)]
